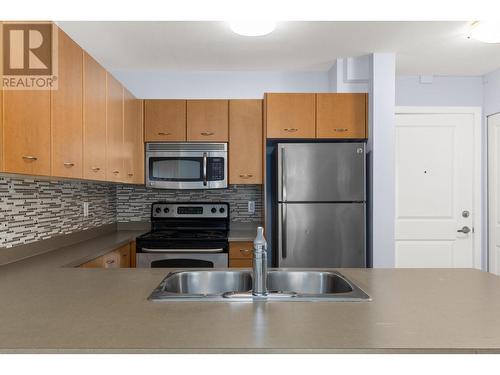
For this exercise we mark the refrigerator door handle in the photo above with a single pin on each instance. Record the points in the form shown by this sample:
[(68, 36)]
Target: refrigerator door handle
[(283, 174), (283, 231)]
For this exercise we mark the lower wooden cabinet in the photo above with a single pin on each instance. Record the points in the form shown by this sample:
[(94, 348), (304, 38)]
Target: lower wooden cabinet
[(118, 258), (240, 254)]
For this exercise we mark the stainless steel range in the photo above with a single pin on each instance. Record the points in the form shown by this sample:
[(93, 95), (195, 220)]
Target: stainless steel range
[(185, 235)]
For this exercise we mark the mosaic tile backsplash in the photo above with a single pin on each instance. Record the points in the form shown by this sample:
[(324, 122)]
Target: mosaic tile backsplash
[(133, 203), (33, 210)]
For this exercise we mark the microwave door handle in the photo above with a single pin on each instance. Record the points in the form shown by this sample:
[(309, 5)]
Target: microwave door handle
[(204, 169)]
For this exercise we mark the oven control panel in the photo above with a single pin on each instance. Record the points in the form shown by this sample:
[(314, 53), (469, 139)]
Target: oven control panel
[(163, 210)]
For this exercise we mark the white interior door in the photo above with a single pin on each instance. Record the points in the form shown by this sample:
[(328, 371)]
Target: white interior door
[(494, 193), (435, 189)]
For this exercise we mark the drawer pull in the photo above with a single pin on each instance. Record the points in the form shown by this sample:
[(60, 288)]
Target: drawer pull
[(340, 129), (96, 169), (246, 175), (207, 133), (30, 157), (116, 172), (290, 130), (130, 174), (245, 251), (110, 261), (162, 133), (69, 165)]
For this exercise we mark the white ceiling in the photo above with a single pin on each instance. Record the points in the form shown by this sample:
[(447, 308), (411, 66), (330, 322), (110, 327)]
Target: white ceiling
[(439, 48)]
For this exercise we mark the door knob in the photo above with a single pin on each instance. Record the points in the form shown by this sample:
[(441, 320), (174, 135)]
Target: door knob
[(464, 229)]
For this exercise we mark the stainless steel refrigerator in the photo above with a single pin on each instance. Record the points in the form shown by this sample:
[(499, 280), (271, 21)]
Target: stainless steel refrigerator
[(321, 205)]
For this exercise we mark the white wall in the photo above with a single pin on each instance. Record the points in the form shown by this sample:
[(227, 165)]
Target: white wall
[(491, 93), (443, 91), (219, 84)]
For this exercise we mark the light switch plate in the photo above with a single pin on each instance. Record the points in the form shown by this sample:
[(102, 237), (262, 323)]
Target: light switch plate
[(251, 207), (85, 209)]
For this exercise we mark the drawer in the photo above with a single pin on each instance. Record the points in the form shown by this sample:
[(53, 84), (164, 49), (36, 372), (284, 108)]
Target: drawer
[(240, 263), (240, 250)]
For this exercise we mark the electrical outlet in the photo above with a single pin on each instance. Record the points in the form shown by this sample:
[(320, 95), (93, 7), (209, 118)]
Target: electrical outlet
[(251, 207), (85, 209)]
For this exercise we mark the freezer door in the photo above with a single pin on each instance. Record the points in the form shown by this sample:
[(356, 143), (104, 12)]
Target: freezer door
[(321, 172), (321, 235)]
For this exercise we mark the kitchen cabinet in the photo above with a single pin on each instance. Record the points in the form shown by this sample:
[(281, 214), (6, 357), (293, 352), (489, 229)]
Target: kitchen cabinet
[(245, 141), (26, 133), (341, 115), (114, 130), (94, 120), (132, 139), (165, 120), (1, 98), (67, 112), (290, 115), (207, 120), (118, 258), (240, 254)]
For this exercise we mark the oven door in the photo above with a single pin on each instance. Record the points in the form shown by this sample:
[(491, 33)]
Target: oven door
[(186, 169), (182, 260)]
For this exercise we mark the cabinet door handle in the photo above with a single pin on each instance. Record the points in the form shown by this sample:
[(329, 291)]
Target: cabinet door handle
[(30, 157), (246, 175), (110, 261), (207, 133), (116, 172), (340, 129), (162, 133), (68, 164), (96, 169), (245, 251), (290, 130)]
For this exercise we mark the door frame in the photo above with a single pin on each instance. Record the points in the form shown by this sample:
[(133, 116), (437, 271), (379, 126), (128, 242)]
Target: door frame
[(489, 179), (479, 169)]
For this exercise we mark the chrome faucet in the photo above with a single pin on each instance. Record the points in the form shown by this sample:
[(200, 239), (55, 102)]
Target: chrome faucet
[(259, 264)]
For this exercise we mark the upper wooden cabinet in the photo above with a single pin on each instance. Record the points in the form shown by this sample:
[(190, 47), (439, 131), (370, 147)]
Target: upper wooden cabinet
[(341, 116), (67, 111), (245, 141), (26, 142), (94, 120), (165, 120), (132, 139), (207, 120), (114, 130), (290, 115)]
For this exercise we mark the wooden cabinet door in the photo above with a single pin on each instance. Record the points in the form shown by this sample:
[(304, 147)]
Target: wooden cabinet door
[(341, 116), (240, 254), (67, 111), (114, 130), (207, 120), (290, 115), (165, 120), (124, 256), (245, 141), (132, 138), (94, 120), (27, 132)]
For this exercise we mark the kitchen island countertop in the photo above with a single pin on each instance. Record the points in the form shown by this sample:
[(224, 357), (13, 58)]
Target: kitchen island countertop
[(47, 307)]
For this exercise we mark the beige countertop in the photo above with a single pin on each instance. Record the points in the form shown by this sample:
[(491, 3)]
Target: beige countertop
[(46, 307)]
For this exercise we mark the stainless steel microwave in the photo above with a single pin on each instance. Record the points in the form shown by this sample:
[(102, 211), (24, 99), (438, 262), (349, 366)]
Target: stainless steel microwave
[(186, 165)]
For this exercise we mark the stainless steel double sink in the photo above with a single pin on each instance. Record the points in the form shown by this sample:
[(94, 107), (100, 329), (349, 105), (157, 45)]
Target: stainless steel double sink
[(232, 285)]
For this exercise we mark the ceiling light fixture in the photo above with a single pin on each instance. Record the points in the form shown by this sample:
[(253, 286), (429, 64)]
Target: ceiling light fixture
[(485, 31), (252, 27)]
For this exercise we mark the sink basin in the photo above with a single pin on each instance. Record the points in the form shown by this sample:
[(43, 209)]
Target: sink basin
[(283, 285)]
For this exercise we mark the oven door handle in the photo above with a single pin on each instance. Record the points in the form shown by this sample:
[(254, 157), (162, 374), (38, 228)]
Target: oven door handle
[(204, 169), (147, 250)]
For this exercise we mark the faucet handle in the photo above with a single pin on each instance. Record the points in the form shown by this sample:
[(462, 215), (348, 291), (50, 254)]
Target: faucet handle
[(260, 243)]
